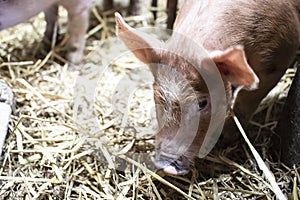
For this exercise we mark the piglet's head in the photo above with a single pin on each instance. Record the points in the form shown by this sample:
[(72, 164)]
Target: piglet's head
[(192, 93)]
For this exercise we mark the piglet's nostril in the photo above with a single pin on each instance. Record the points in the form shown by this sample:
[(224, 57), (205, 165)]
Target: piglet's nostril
[(175, 166)]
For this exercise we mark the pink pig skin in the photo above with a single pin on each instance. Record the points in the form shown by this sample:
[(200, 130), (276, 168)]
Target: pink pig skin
[(251, 42)]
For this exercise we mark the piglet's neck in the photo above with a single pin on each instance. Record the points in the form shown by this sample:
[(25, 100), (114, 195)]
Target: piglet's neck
[(202, 22), (185, 47)]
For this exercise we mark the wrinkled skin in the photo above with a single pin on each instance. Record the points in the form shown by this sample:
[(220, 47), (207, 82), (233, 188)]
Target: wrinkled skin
[(13, 12), (251, 42)]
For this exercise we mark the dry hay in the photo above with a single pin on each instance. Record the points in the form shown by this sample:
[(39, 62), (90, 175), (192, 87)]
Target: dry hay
[(49, 155)]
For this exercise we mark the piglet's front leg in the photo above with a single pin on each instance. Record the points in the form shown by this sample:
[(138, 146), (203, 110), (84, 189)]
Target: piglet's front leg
[(78, 15)]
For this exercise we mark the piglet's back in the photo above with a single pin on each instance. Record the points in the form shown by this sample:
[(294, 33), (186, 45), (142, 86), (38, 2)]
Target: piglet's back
[(261, 26), (267, 29)]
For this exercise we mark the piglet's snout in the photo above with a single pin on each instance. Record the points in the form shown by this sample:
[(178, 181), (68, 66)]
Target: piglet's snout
[(171, 161), (178, 166)]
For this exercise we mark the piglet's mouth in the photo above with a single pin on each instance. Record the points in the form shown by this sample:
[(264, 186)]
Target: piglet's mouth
[(175, 167)]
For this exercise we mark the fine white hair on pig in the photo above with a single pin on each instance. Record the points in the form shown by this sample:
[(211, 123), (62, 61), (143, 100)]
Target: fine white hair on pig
[(173, 90)]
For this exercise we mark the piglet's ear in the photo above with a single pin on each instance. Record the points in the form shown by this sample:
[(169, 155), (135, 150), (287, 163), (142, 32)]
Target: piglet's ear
[(233, 65), (143, 46)]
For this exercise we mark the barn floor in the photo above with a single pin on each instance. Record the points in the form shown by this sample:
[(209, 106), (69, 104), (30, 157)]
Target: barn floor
[(89, 134)]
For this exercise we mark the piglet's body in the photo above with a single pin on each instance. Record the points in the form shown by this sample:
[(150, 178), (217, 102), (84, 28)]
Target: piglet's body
[(13, 12), (251, 42)]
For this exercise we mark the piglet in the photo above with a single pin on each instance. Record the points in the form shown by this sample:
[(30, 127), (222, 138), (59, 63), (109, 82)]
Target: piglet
[(250, 43), (13, 12)]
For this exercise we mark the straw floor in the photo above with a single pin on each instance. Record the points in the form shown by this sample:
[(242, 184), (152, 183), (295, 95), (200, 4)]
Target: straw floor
[(63, 145)]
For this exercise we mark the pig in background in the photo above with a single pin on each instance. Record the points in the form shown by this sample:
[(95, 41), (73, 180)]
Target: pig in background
[(14, 12), (251, 42)]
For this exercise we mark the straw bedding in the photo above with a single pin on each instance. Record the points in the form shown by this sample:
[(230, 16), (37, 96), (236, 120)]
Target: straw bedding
[(78, 135)]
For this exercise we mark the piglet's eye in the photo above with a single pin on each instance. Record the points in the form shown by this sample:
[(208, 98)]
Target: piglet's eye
[(202, 103)]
